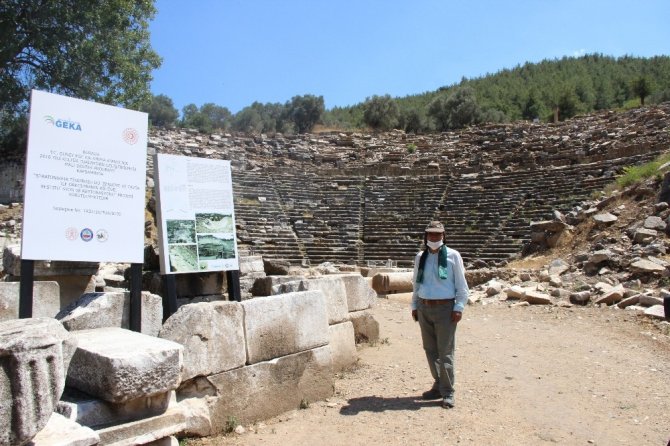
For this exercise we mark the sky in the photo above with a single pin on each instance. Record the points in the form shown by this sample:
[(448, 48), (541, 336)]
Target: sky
[(235, 52)]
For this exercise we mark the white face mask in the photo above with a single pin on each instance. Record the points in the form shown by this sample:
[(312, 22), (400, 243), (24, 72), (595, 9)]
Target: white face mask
[(434, 245)]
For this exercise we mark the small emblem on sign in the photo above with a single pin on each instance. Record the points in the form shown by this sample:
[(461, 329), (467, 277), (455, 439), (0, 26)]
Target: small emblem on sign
[(71, 233), (130, 136), (86, 235), (101, 235)]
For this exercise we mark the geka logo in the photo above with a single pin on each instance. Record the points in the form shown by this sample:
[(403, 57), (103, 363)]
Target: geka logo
[(62, 123)]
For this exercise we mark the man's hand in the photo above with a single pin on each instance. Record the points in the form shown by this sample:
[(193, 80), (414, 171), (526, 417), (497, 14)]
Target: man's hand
[(456, 316), (414, 316)]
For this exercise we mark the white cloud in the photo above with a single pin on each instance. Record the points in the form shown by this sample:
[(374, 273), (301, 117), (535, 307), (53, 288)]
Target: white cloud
[(579, 52)]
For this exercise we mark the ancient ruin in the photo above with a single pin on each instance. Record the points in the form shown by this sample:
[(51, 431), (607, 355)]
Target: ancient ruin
[(326, 223)]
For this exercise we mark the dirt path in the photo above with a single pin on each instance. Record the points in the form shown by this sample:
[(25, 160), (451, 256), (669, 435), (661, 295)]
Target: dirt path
[(525, 376)]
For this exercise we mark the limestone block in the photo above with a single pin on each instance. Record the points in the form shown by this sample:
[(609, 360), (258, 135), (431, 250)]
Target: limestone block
[(645, 266), (188, 285), (332, 288), (515, 292), (342, 346), (251, 264), (62, 431), (34, 357), (267, 389), (212, 335), (46, 300), (71, 287), (263, 285), (281, 325), (119, 365), (11, 259), (366, 328), (611, 296), (145, 430), (360, 295), (536, 298), (93, 412), (384, 283), (655, 312), (97, 310)]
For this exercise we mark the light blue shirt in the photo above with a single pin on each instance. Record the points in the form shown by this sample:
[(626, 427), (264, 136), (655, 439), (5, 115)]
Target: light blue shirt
[(432, 287)]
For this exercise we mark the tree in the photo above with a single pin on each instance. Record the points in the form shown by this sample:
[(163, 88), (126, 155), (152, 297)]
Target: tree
[(381, 112), (91, 49), (207, 118), (305, 111), (641, 88), (456, 111), (161, 110)]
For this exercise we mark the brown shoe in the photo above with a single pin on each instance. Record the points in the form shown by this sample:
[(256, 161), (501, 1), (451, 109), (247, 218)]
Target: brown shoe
[(432, 394)]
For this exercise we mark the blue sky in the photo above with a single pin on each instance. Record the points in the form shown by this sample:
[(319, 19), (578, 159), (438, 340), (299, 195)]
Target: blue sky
[(235, 52)]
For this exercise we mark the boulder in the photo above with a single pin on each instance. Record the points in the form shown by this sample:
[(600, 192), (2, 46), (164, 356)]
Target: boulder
[(366, 327), (342, 346)]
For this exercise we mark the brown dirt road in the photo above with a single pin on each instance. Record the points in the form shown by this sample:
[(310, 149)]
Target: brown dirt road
[(525, 376)]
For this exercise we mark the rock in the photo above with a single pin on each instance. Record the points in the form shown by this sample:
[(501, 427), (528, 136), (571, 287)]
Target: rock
[(493, 287), (600, 256), (366, 327), (558, 267), (276, 267), (644, 236), (342, 345), (650, 301), (655, 223), (537, 298), (646, 266), (628, 301), (604, 219), (515, 292), (580, 297), (655, 312), (614, 295), (61, 431)]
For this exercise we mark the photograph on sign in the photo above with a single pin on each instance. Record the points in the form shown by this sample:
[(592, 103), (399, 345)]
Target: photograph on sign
[(196, 218), (84, 196)]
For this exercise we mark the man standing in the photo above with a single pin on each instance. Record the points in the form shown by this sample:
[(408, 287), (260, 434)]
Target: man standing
[(440, 294)]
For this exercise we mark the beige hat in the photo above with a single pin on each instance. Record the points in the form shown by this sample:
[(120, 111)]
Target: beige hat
[(435, 226)]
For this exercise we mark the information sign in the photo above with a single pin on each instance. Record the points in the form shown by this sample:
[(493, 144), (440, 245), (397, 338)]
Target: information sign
[(85, 179), (196, 214)]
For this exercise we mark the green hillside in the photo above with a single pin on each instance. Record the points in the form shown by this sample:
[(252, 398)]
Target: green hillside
[(548, 90)]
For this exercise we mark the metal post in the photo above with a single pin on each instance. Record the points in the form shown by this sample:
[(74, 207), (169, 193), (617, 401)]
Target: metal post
[(135, 319), (26, 289), (170, 298), (233, 280)]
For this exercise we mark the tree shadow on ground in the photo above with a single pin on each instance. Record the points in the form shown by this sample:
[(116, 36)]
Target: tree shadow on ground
[(379, 404)]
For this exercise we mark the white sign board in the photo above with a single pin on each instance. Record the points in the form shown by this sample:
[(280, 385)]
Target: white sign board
[(195, 214), (84, 195)]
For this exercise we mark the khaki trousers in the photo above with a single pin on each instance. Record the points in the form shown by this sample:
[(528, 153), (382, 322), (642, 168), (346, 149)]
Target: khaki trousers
[(438, 334)]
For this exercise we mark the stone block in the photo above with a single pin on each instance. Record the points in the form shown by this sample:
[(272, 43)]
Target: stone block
[(263, 285), (332, 288), (536, 298), (118, 365), (188, 285), (251, 264), (97, 310), (71, 287), (64, 432), (342, 346), (212, 335), (360, 295), (146, 430), (46, 300), (366, 327), (93, 412), (34, 357), (281, 325), (266, 389), (11, 260)]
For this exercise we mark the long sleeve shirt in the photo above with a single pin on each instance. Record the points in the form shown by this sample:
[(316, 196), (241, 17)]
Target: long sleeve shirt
[(432, 287)]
